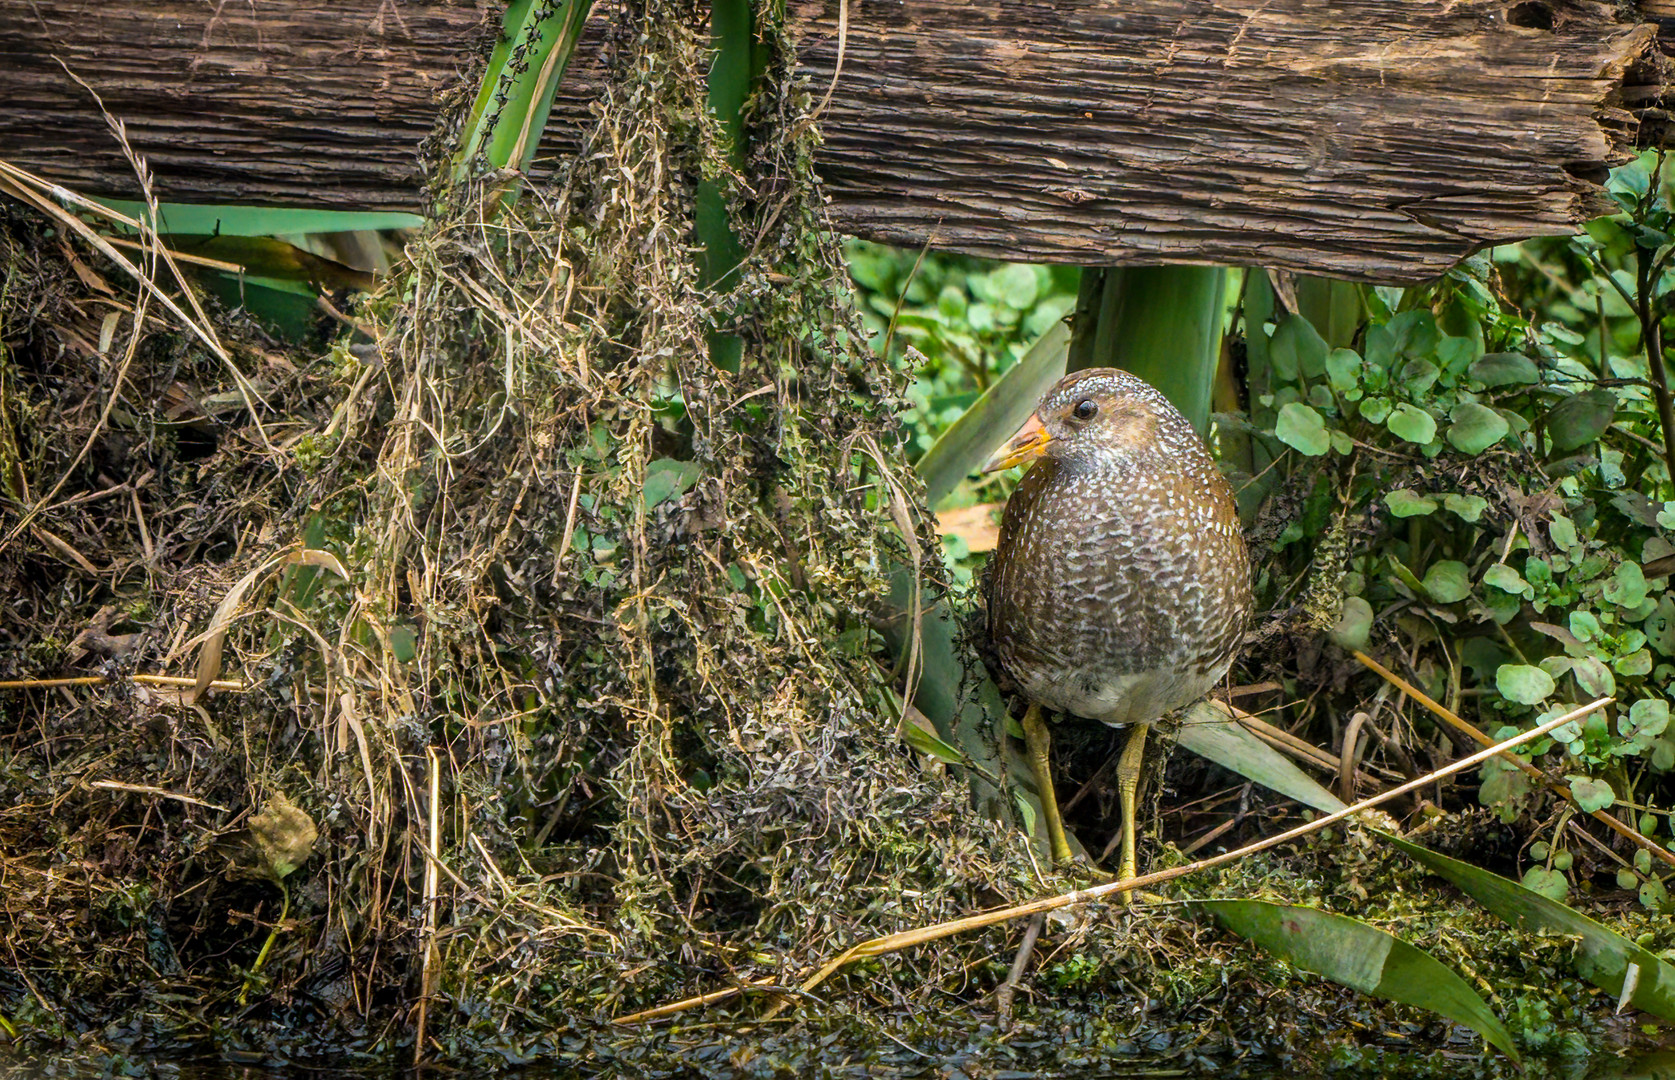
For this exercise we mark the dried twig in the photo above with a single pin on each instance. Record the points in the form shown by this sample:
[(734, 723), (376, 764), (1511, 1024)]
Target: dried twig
[(906, 939)]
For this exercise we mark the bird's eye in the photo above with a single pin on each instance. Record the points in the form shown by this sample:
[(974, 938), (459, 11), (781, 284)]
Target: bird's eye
[(1085, 409)]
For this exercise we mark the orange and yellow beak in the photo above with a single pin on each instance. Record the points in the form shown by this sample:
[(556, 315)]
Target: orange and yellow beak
[(1027, 445)]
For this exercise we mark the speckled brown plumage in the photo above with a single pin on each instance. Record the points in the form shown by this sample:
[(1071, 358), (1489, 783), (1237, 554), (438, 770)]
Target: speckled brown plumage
[(1120, 588)]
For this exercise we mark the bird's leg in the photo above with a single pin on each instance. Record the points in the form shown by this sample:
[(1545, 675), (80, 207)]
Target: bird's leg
[(1040, 745), (1128, 790)]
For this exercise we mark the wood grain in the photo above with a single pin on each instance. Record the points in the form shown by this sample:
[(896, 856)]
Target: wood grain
[(1370, 138)]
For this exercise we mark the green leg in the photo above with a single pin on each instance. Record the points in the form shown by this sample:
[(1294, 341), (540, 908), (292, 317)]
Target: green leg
[(1040, 745), (1128, 789)]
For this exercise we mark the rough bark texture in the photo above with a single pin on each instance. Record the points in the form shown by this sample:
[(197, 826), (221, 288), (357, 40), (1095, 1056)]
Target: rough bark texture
[(1377, 138)]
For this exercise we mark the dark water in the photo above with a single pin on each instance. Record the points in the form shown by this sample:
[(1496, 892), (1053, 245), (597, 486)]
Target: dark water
[(1654, 1066)]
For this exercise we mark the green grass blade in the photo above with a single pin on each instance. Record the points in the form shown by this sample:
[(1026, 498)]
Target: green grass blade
[(1212, 734), (992, 419), (511, 25), (212, 220), (521, 88), (1163, 323), (737, 67), (1603, 957), (1361, 957)]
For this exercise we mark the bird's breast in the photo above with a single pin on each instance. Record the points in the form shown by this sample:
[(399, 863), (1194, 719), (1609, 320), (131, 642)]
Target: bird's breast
[(1118, 597)]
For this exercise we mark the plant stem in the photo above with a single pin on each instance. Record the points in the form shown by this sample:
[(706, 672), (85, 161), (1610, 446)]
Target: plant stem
[(267, 946), (1651, 339)]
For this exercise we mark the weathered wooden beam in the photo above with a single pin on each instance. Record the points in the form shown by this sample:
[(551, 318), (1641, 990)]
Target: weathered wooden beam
[(1379, 139)]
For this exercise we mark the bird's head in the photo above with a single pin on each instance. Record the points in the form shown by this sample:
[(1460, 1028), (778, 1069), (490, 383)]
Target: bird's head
[(1089, 415)]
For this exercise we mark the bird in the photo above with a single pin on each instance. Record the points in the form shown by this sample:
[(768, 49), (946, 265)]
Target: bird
[(1120, 589)]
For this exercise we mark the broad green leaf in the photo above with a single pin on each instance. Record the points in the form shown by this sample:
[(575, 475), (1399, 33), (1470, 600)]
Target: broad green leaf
[(1466, 507), (1591, 794), (1411, 423), (1419, 376), (1212, 734), (1660, 626), (963, 714), (1627, 588), (1447, 581), (1302, 429), (1647, 718), (1502, 785), (1505, 369), (1297, 347), (1404, 503), (1414, 333), (1562, 531), (1593, 676), (1475, 427), (1361, 957), (1354, 625), (1015, 283), (1638, 662), (1343, 369), (967, 443), (1507, 580), (667, 478), (1163, 323), (1602, 956), (1578, 420), (1524, 683)]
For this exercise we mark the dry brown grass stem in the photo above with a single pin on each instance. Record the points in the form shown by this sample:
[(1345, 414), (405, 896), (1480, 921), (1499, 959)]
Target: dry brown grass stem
[(102, 680), (1561, 789), (161, 793), (906, 939)]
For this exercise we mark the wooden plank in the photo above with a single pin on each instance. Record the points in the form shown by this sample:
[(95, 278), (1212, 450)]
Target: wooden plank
[(1370, 138), (1376, 138)]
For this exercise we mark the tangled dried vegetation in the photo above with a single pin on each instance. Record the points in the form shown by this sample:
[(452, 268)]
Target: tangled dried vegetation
[(590, 719)]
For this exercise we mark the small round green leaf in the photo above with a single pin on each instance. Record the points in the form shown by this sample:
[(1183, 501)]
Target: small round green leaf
[(1447, 581), (1648, 717), (1343, 369), (1627, 588), (1405, 504), (1467, 507), (1411, 423), (1507, 580), (1581, 418), (1475, 427), (1302, 429), (1548, 883), (1375, 410), (1591, 794), (1354, 626), (1594, 677), (1505, 369), (1525, 684)]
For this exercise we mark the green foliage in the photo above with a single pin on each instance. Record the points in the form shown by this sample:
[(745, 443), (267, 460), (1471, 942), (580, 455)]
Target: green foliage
[(970, 319), (1496, 435)]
